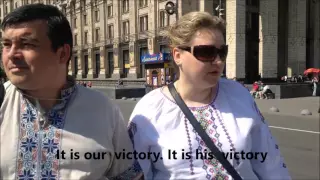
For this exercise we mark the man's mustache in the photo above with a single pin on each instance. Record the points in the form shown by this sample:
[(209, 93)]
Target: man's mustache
[(18, 64)]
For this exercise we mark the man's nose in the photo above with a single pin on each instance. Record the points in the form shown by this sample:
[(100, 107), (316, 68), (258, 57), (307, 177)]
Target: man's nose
[(14, 52)]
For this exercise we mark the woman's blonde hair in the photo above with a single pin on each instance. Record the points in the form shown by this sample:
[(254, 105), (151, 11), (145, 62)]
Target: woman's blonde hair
[(182, 32)]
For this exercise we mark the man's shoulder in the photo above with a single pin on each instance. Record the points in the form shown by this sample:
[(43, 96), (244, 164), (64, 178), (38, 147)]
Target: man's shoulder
[(7, 85), (91, 96), (93, 102)]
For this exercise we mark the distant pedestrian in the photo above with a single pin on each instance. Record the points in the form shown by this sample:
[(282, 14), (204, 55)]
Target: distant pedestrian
[(89, 84), (315, 82)]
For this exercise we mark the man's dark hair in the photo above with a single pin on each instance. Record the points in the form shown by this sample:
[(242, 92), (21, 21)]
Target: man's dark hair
[(59, 30)]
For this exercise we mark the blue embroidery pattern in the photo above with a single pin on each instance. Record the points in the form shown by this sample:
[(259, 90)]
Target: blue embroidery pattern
[(38, 145), (255, 106), (130, 173), (258, 111), (132, 129), (135, 169)]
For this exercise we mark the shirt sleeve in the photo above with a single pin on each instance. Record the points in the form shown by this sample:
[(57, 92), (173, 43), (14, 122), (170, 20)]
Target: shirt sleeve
[(122, 169), (138, 136), (272, 166)]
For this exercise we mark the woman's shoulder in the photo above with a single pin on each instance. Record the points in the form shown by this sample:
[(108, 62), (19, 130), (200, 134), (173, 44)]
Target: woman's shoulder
[(234, 88), (150, 104), (242, 100), (151, 97)]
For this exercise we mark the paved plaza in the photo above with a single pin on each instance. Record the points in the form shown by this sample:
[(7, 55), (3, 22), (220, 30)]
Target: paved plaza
[(292, 106)]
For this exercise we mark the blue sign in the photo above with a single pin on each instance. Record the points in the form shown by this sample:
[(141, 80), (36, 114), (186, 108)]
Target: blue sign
[(155, 58)]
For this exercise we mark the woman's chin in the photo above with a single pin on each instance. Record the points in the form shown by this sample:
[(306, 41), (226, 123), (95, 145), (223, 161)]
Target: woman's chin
[(210, 82)]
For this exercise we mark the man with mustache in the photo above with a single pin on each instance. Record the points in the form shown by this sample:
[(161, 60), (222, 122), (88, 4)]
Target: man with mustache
[(52, 128)]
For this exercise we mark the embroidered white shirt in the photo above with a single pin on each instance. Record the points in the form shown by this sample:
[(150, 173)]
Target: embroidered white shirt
[(87, 126), (232, 120)]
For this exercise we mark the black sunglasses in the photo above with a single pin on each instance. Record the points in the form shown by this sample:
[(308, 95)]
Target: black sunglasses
[(207, 53)]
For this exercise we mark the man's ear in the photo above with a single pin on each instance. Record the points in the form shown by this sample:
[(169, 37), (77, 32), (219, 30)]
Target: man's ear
[(64, 53)]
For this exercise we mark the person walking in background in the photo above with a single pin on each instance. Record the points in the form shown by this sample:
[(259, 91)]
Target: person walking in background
[(224, 110), (49, 125), (89, 84), (315, 82), (255, 89)]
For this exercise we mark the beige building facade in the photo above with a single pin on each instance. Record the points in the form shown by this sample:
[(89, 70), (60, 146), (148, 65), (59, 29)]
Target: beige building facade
[(272, 38), (268, 37)]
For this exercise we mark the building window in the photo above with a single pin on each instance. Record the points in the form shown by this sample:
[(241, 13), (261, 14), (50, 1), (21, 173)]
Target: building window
[(252, 3), (86, 63), (96, 2), (125, 6), (86, 38), (75, 65), (64, 11), (97, 64), (74, 8), (97, 15), (110, 31), (85, 19), (75, 22), (110, 9), (143, 51), (125, 28), (164, 49), (143, 3), (248, 21), (97, 34), (125, 54), (6, 10), (144, 23), (164, 19), (111, 63), (75, 39)]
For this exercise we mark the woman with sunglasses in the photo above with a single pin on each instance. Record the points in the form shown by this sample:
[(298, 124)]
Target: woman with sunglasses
[(224, 108)]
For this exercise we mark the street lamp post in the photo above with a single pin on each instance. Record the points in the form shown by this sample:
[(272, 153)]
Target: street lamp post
[(219, 8), (172, 8)]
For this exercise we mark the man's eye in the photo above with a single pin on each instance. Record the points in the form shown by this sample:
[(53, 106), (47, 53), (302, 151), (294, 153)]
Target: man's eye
[(6, 44), (28, 45)]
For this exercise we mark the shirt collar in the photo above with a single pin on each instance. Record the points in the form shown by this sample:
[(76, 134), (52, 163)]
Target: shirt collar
[(68, 88), (65, 94)]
